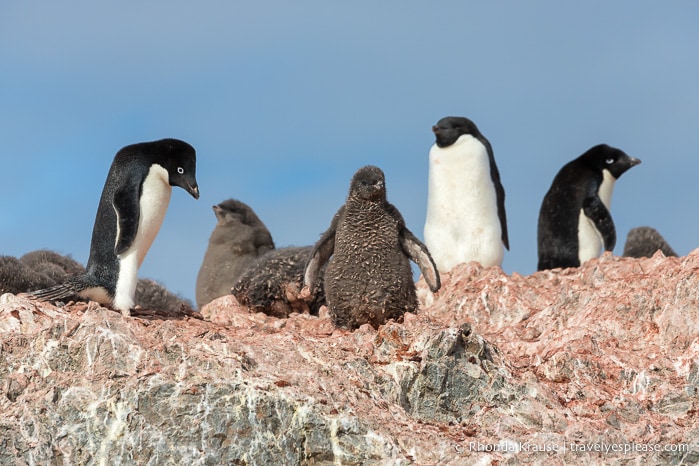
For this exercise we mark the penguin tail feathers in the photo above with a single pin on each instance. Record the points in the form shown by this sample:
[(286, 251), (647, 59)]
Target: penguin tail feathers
[(54, 293)]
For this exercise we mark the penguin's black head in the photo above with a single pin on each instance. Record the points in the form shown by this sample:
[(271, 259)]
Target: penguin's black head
[(449, 129), (180, 161), (369, 183), (604, 157)]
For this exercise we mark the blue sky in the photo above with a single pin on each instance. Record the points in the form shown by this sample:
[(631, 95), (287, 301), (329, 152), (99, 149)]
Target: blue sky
[(285, 100)]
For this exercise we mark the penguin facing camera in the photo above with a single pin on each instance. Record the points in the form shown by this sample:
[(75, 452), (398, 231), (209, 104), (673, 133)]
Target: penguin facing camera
[(369, 278), (466, 218)]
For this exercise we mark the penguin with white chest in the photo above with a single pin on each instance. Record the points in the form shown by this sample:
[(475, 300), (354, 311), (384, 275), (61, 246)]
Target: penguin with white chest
[(466, 218), (131, 210), (574, 221)]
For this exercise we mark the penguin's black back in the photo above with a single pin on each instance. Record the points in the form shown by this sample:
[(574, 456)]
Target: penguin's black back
[(127, 172), (557, 232), (576, 186)]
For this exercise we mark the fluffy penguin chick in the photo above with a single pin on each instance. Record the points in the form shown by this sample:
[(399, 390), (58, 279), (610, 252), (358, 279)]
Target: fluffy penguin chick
[(644, 242), (273, 282), (152, 295), (52, 267), (237, 240), (16, 277), (369, 279), (36, 269), (131, 209)]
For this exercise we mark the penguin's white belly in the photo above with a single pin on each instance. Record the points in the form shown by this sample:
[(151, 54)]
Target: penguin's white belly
[(462, 222), (590, 240), (153, 204)]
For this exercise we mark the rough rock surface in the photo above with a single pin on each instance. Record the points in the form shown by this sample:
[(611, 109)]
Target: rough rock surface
[(493, 369)]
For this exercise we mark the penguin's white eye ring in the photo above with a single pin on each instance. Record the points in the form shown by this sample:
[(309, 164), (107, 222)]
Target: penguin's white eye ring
[(609, 161), (180, 170)]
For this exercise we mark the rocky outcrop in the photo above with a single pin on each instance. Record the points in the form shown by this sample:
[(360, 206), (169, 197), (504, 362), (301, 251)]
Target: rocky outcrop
[(560, 367)]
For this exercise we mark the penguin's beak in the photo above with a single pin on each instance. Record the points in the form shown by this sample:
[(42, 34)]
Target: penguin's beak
[(634, 161), (193, 189)]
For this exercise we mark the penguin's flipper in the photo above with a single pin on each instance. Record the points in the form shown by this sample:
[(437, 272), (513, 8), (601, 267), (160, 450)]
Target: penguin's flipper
[(62, 291), (596, 211), (500, 195), (320, 254), (418, 253), (127, 207)]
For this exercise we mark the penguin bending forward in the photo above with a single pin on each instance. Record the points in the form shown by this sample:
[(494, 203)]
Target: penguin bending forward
[(130, 212), (574, 221), (466, 218), (369, 279)]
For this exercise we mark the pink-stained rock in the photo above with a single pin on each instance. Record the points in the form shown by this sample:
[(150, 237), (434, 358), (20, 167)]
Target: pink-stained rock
[(493, 369)]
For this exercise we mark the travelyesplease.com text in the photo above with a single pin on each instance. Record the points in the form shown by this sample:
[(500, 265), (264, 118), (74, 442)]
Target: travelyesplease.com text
[(509, 446)]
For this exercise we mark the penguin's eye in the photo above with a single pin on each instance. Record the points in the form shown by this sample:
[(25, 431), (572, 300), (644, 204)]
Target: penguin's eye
[(180, 170), (609, 161)]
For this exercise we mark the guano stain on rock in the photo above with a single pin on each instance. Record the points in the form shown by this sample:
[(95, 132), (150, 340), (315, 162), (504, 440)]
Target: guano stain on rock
[(607, 353)]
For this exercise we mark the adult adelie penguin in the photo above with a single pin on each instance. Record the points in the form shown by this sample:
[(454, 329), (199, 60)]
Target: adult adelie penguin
[(466, 218), (369, 279), (574, 220), (131, 209)]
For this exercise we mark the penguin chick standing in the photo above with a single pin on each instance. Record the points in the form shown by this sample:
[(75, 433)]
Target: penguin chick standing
[(237, 240), (466, 218), (574, 220), (369, 279), (130, 212)]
